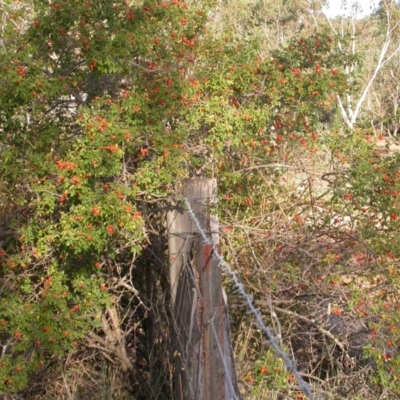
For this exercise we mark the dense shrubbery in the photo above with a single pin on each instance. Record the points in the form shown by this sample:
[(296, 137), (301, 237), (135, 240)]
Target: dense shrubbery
[(104, 106)]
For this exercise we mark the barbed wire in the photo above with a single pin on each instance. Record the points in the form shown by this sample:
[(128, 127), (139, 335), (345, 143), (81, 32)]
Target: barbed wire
[(240, 287)]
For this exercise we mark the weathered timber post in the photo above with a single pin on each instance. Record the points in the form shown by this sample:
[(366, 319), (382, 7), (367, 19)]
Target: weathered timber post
[(204, 365)]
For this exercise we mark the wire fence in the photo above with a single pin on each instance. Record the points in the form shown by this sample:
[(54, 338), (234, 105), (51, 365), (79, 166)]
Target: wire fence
[(249, 301)]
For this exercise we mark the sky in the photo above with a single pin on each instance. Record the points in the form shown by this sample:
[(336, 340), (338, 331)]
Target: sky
[(335, 7)]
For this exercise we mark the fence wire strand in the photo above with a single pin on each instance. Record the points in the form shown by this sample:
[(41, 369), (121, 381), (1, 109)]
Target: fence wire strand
[(240, 287)]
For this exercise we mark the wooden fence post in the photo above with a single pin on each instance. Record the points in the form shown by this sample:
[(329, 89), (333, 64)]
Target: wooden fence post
[(204, 365)]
